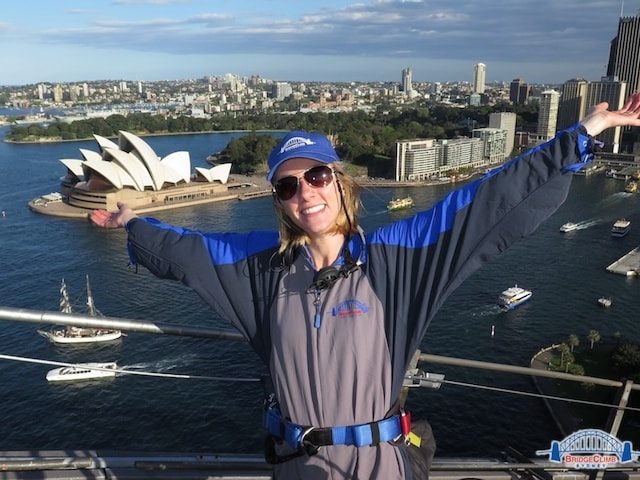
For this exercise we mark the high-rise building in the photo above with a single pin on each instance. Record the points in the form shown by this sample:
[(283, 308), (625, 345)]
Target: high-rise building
[(281, 90), (505, 121), (519, 91), (494, 142), (614, 92), (624, 54), (57, 93), (479, 74), (407, 87), (572, 102), (548, 114)]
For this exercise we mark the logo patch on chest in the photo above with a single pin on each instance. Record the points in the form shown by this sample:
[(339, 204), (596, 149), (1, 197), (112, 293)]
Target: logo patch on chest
[(349, 308)]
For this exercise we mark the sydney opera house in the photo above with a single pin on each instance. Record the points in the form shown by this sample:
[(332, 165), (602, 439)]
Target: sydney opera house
[(131, 172)]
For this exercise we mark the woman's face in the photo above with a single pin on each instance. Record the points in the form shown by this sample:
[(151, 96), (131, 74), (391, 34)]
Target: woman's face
[(313, 209)]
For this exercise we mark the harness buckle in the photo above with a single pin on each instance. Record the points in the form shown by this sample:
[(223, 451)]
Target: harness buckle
[(308, 447)]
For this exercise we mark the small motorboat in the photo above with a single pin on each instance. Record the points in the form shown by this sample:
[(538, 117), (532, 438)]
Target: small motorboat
[(604, 302), (568, 227), (83, 371)]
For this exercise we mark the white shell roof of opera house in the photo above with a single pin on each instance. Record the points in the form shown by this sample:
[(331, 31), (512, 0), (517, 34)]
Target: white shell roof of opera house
[(132, 163)]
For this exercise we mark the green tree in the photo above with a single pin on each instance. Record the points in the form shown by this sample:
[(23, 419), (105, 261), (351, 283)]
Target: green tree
[(574, 341), (593, 337)]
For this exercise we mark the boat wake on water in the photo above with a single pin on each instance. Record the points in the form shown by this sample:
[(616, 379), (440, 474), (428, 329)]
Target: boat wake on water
[(588, 223), (163, 365), (613, 199)]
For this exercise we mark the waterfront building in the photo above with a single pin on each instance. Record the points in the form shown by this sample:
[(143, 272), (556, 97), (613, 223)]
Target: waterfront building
[(130, 171), (505, 121), (519, 91), (624, 54), (423, 159), (461, 152), (548, 113), (479, 74), (416, 159), (614, 92), (572, 102), (494, 144)]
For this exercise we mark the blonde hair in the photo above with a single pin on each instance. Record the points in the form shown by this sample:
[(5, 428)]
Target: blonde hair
[(292, 236)]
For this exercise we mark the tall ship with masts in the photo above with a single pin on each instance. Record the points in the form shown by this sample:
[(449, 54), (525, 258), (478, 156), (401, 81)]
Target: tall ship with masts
[(72, 334)]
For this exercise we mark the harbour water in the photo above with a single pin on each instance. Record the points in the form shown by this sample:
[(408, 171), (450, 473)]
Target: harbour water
[(566, 273)]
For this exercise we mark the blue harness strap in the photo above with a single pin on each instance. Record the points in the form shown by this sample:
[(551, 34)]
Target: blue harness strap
[(361, 435)]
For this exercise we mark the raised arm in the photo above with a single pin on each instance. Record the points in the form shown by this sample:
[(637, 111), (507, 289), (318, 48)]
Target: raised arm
[(598, 118), (117, 219)]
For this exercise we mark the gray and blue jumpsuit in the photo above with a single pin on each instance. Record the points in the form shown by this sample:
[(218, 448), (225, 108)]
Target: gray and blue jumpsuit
[(341, 361)]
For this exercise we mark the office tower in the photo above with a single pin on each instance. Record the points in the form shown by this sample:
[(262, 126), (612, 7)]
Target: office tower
[(505, 121), (572, 102), (548, 114), (518, 91), (613, 91), (41, 90), (406, 80), (479, 73), (624, 54)]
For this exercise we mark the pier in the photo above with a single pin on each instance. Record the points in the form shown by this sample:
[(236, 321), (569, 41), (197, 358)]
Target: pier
[(629, 265)]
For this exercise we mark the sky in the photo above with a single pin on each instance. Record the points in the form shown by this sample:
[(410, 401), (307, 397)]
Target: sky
[(540, 41)]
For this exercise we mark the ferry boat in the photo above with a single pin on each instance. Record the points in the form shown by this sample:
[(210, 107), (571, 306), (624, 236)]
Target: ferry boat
[(513, 297), (82, 371), (620, 228), (631, 187), (400, 203), (568, 227)]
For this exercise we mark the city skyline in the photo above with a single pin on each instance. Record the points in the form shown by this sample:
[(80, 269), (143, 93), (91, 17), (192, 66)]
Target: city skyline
[(540, 41)]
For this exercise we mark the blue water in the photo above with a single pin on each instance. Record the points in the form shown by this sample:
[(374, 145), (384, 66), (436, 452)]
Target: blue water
[(565, 271)]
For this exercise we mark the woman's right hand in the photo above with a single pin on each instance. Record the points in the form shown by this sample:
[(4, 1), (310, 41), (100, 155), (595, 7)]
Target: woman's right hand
[(105, 219)]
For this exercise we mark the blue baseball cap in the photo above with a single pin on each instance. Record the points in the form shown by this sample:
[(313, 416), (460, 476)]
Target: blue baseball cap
[(299, 144)]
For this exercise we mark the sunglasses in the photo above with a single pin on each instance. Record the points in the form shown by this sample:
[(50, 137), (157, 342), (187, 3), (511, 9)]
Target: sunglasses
[(317, 177)]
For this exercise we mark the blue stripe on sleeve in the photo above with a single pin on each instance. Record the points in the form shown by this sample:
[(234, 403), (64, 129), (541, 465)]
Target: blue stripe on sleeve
[(227, 248)]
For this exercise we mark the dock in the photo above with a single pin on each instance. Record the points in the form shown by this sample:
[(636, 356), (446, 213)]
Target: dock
[(629, 265)]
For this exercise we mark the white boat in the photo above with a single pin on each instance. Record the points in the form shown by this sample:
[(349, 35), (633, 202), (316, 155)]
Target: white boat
[(568, 227), (75, 335), (604, 302), (620, 228), (513, 297), (400, 203), (82, 371)]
